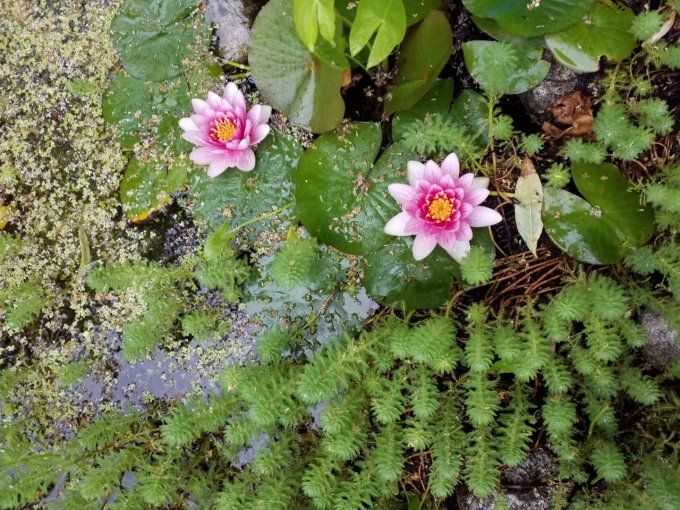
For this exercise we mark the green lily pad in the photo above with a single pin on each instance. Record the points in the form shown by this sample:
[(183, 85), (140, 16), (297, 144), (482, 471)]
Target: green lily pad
[(422, 57), (417, 10), (143, 109), (341, 195), (384, 18), (290, 78), (604, 186), (471, 110), (525, 18), (235, 197), (436, 102), (502, 68), (152, 37), (491, 27), (577, 228), (395, 279), (146, 187), (605, 31)]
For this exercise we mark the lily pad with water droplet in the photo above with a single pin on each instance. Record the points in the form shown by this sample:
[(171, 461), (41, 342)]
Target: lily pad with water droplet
[(341, 191), (395, 279), (597, 229), (235, 197)]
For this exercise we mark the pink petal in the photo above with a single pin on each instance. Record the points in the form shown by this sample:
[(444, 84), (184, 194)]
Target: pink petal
[(259, 114), (415, 171), (205, 155), (259, 133), (219, 166), (476, 196), (465, 180), (214, 101), (200, 106), (451, 165), (245, 160), (234, 96), (457, 249), (432, 171), (187, 124), (402, 193), (423, 246), (397, 226), (195, 137), (483, 217), (480, 182), (464, 232)]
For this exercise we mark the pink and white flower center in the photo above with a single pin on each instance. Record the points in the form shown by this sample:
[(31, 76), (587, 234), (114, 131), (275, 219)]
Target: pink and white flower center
[(440, 208), (223, 130)]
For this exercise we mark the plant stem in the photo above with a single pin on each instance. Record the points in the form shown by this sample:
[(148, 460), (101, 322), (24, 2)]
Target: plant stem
[(261, 217), (501, 194), (237, 65), (238, 76)]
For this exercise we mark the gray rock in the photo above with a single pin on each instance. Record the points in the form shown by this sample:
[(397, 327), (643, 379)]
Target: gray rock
[(538, 467), (525, 487), (233, 19), (559, 82), (662, 341)]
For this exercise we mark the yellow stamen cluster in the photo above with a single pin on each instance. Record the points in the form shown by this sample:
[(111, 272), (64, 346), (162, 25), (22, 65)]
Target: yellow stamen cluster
[(440, 209), (223, 130)]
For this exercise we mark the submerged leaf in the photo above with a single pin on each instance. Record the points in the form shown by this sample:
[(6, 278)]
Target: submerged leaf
[(422, 57), (529, 205)]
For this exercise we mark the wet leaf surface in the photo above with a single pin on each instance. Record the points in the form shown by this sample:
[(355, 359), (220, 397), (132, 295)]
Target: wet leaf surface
[(235, 197), (395, 279), (518, 71), (341, 195), (152, 38), (146, 187), (605, 187), (524, 18), (290, 78), (423, 55), (605, 31)]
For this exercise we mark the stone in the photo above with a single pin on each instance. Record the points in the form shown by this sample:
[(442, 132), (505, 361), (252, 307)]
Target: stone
[(662, 341), (525, 487), (233, 20), (559, 82)]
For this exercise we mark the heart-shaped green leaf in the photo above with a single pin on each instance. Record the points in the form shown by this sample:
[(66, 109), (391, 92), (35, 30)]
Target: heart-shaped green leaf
[(530, 18), (436, 102), (502, 68), (341, 195), (597, 233), (384, 18), (152, 37), (235, 197), (472, 111), (604, 186), (576, 227), (312, 17), (417, 10), (293, 80), (146, 187), (395, 279), (422, 57), (605, 31), (144, 109)]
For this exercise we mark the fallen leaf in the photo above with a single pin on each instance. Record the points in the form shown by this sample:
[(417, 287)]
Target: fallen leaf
[(573, 114), (529, 205)]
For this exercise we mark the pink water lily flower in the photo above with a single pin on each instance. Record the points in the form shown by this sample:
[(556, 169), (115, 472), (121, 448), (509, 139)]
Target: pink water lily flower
[(224, 131), (439, 206)]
